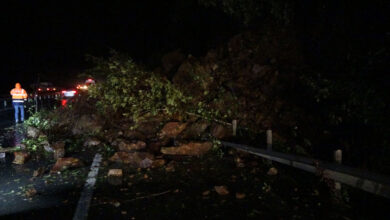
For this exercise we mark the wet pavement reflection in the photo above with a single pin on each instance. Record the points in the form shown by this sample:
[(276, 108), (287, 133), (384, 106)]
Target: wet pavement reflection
[(58, 191)]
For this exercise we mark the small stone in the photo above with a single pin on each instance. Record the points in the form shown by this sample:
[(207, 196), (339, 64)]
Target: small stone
[(66, 163), (130, 147), (172, 129), (32, 132), (38, 172), (158, 163), (47, 147), (21, 157), (191, 149), (59, 149), (206, 193), (115, 176), (170, 167), (91, 142), (145, 163), (133, 159), (116, 204), (31, 192), (221, 190), (272, 171), (240, 195)]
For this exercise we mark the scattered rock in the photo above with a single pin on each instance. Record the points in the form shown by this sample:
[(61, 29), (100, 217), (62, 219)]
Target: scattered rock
[(65, 163), (146, 163), (195, 130), (149, 128), (240, 195), (239, 162), (59, 149), (171, 166), (155, 147), (39, 172), (172, 129), (206, 193), (272, 171), (92, 142), (158, 163), (133, 159), (86, 124), (129, 147), (191, 149), (115, 176), (221, 190), (47, 147), (32, 132), (133, 135), (31, 192), (116, 204), (21, 157)]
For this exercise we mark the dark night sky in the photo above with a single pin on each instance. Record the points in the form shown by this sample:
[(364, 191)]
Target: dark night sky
[(52, 37)]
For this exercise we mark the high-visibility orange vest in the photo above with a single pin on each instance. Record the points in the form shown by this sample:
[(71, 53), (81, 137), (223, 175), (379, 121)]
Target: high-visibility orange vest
[(18, 95)]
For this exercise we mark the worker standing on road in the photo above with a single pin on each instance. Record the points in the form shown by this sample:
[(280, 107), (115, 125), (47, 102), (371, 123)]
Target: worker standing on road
[(19, 95)]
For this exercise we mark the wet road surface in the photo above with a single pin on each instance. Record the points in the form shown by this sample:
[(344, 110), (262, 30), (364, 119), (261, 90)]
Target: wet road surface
[(22, 196)]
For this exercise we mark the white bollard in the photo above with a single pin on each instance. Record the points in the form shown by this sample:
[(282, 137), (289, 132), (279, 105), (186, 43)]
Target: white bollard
[(338, 158), (234, 124), (269, 140)]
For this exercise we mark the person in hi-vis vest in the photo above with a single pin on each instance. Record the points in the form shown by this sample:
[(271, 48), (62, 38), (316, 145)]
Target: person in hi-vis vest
[(19, 95)]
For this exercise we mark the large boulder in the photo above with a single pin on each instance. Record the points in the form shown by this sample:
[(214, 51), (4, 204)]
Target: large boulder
[(172, 129), (193, 77), (21, 157), (172, 60), (127, 146), (191, 149), (195, 130), (66, 163), (87, 124), (133, 135), (148, 129), (134, 158), (32, 132), (221, 132)]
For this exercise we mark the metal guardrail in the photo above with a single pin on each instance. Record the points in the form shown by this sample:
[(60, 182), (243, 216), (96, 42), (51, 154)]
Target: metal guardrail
[(37, 100), (5, 104), (367, 181)]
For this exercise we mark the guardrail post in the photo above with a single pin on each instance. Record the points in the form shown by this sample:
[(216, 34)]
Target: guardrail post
[(269, 140), (5, 103), (234, 124), (338, 158)]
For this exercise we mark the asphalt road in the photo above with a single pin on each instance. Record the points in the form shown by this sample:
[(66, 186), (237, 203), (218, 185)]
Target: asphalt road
[(22, 196)]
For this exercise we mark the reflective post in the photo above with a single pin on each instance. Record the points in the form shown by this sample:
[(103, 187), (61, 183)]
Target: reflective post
[(269, 140), (338, 158), (234, 123)]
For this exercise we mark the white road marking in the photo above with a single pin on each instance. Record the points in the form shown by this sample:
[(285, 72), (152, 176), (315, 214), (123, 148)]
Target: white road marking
[(86, 194)]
